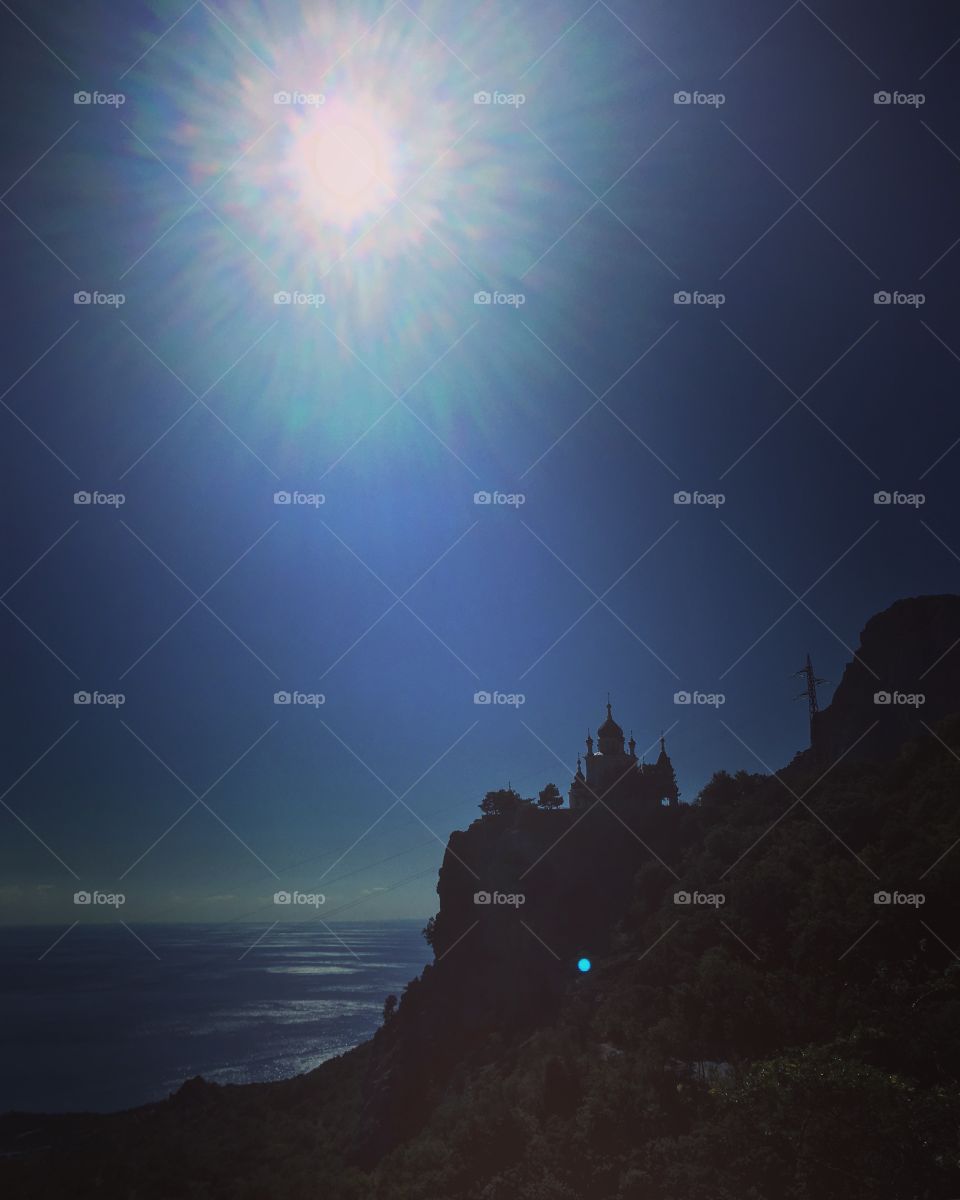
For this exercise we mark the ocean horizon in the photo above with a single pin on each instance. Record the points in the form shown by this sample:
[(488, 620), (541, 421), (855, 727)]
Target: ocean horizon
[(102, 1024)]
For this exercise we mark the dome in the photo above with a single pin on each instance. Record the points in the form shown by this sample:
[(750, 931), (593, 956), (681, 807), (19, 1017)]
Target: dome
[(610, 729)]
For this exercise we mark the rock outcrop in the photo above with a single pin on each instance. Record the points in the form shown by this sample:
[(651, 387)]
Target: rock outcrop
[(905, 677), (558, 884)]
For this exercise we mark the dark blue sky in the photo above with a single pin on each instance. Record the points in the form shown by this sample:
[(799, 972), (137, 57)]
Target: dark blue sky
[(798, 198)]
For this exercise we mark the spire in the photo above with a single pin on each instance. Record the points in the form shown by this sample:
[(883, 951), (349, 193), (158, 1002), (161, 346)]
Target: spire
[(667, 779), (589, 745), (633, 745)]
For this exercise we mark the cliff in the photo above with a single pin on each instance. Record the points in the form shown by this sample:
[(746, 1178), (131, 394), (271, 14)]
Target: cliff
[(905, 677), (559, 883)]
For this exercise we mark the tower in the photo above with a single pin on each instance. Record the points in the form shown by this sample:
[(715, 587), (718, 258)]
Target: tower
[(810, 690)]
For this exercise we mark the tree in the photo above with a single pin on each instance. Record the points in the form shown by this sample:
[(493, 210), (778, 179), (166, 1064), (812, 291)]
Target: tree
[(550, 797), (501, 802), (389, 1008)]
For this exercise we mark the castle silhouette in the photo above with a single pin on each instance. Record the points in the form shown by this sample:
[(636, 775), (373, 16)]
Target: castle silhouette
[(618, 778)]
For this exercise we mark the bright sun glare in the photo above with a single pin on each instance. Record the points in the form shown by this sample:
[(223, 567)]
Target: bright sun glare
[(350, 157), (342, 161)]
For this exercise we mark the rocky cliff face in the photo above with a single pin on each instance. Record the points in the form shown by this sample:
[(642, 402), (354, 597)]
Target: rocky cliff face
[(906, 675), (558, 883)]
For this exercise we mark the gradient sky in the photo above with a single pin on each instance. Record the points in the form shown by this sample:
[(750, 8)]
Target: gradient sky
[(398, 398)]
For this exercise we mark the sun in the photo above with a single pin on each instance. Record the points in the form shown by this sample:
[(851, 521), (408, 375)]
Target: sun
[(342, 161)]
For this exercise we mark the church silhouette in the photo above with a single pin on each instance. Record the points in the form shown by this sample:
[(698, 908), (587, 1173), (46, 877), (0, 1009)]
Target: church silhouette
[(618, 778)]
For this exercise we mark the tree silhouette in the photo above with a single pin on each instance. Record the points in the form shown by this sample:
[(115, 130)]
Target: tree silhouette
[(550, 797), (502, 802)]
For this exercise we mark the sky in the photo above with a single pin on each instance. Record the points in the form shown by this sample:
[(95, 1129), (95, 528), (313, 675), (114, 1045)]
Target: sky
[(385, 169)]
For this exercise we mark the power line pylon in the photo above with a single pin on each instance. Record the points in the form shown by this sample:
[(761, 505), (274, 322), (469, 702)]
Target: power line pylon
[(810, 691)]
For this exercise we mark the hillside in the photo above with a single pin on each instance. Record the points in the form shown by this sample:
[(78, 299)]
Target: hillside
[(795, 1036)]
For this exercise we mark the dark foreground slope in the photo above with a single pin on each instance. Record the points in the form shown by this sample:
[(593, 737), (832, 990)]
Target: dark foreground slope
[(801, 1040)]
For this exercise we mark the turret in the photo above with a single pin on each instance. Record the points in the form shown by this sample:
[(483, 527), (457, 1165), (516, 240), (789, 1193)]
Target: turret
[(666, 776), (579, 794)]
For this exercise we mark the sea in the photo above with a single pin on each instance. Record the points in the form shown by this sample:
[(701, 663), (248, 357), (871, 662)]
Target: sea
[(111, 1017)]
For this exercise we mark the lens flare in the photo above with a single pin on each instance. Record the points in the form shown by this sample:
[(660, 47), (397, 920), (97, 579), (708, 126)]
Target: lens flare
[(340, 162), (352, 153)]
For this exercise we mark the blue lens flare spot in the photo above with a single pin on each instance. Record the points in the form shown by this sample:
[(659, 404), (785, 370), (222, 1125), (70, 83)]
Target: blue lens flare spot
[(584, 965)]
